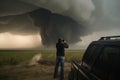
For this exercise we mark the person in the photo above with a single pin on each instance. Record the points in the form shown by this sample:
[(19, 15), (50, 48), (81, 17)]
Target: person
[(60, 57)]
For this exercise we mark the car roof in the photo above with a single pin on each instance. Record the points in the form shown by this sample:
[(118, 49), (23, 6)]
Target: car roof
[(107, 42)]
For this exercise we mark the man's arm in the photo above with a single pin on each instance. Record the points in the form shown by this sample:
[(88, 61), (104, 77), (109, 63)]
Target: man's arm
[(65, 44)]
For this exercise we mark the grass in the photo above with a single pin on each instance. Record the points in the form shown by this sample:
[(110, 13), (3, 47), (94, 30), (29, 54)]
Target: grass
[(15, 56), (13, 64)]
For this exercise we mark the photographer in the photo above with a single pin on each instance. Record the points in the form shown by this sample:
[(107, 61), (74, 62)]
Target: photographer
[(60, 57)]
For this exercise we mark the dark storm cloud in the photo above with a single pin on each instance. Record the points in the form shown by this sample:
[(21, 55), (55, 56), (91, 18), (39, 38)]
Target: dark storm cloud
[(70, 19), (52, 26), (14, 7), (19, 24), (13, 17), (76, 9), (50, 20)]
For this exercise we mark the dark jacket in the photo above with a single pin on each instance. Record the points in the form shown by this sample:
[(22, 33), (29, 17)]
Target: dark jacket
[(60, 46)]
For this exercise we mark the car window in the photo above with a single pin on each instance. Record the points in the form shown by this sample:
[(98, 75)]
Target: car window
[(108, 63), (111, 55), (90, 55)]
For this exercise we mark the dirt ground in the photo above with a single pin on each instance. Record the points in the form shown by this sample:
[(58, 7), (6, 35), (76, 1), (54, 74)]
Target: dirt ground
[(37, 72)]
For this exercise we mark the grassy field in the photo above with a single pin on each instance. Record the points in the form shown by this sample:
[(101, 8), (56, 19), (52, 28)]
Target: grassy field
[(14, 64)]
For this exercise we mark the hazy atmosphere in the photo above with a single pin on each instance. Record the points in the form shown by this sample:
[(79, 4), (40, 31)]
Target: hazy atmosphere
[(34, 24)]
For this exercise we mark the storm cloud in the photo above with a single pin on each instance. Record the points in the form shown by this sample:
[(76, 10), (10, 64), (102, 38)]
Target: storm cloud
[(19, 24), (52, 26), (106, 15), (69, 19)]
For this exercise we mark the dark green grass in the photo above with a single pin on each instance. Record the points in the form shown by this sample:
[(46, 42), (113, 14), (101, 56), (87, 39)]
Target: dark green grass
[(13, 64), (13, 57)]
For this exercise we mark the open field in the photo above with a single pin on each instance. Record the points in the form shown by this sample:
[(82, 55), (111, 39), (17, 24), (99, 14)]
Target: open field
[(14, 64)]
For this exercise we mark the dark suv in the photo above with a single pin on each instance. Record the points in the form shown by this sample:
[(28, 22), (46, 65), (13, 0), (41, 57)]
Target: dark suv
[(101, 61)]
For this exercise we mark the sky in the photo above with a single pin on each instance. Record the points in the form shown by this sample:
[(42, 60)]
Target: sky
[(11, 41), (86, 40), (31, 24)]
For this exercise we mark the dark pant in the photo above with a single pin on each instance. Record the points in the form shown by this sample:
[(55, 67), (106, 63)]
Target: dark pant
[(59, 61)]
